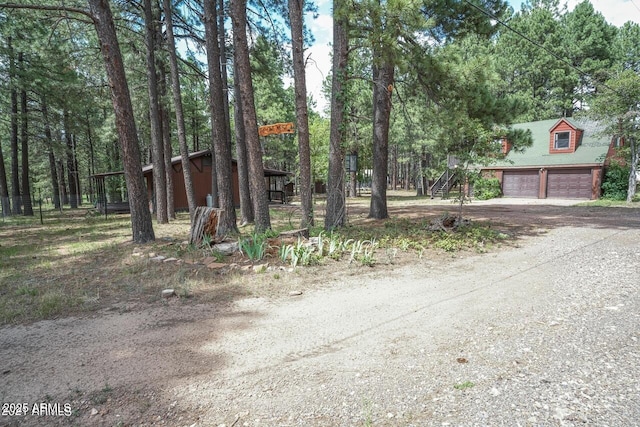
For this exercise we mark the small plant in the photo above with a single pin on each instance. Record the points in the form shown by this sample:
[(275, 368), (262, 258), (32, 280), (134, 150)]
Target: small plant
[(448, 242), (337, 246), (321, 244), (102, 396), (463, 386), (367, 258), (253, 247), (206, 241), (298, 254), (26, 290), (363, 251)]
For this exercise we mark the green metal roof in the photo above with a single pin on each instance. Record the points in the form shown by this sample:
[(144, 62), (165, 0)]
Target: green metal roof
[(592, 149)]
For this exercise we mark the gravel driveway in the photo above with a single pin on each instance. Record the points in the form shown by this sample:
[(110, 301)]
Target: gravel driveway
[(546, 333)]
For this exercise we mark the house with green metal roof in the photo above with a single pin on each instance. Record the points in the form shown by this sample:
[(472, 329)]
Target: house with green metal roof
[(566, 160)]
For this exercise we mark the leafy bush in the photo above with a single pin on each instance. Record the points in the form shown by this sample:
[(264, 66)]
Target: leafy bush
[(486, 188), (616, 182)]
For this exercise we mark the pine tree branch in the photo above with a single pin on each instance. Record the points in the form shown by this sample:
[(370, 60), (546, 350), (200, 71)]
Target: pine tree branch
[(48, 8)]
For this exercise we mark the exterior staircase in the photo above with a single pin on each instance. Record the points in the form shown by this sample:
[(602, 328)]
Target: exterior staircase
[(444, 184)]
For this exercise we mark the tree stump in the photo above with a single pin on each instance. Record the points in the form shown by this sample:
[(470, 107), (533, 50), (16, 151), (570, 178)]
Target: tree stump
[(205, 221)]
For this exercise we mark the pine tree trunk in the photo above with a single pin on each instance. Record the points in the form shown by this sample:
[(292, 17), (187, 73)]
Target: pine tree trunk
[(177, 103), (296, 8), (246, 206), (76, 175), (407, 174), (92, 159), (221, 146), (157, 145), (165, 117), (16, 203), (141, 224), (73, 200), (5, 204), (62, 184), (223, 67), (52, 159), (336, 210), (382, 89), (633, 168), (238, 12), (24, 136)]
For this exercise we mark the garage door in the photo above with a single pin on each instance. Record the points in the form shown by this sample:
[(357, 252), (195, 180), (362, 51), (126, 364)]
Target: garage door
[(521, 183), (569, 184)]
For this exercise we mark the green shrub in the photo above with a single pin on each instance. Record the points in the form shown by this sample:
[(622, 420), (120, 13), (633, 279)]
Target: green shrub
[(486, 188), (616, 182)]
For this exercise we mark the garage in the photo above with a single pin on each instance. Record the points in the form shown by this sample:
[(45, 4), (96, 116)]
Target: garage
[(521, 183), (569, 184)]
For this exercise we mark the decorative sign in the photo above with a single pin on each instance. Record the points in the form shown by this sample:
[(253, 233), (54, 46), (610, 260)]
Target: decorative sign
[(275, 129)]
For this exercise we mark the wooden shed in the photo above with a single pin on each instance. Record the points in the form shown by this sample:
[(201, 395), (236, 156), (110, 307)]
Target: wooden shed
[(201, 170)]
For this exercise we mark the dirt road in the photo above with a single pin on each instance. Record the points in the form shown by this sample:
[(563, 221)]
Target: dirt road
[(546, 333)]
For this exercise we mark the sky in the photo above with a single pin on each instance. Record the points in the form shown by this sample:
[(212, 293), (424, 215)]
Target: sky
[(616, 12)]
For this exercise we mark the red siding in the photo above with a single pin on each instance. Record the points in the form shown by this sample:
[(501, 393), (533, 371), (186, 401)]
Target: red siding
[(201, 177), (564, 126)]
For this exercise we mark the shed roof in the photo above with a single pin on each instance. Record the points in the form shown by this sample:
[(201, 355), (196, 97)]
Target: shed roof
[(204, 153), (592, 149)]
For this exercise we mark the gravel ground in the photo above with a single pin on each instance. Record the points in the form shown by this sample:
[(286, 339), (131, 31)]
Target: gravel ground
[(542, 334)]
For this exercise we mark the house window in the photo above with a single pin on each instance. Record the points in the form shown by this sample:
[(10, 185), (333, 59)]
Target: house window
[(562, 140)]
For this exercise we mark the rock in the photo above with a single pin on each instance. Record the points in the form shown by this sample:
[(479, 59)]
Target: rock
[(152, 254), (226, 248), (216, 265), (260, 268), (295, 293), (94, 412), (170, 259), (168, 293), (561, 413)]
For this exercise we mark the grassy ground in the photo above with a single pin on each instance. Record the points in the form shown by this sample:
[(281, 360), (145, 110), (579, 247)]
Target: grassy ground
[(78, 262)]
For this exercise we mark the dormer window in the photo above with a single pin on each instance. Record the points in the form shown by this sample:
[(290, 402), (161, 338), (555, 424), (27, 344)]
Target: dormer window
[(564, 137), (562, 140)]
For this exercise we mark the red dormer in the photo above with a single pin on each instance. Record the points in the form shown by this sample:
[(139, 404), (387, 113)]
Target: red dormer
[(564, 137)]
